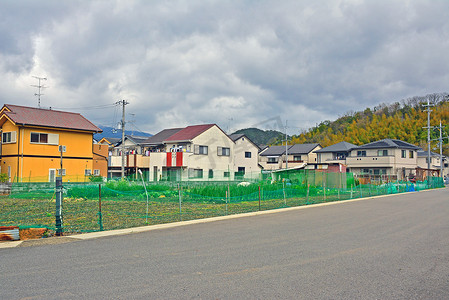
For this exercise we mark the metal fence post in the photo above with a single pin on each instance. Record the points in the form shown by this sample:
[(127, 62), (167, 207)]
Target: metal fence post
[(58, 214), (324, 191), (100, 216), (283, 190), (180, 202), (226, 203)]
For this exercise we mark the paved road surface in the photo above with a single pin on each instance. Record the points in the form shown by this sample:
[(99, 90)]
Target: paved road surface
[(386, 248)]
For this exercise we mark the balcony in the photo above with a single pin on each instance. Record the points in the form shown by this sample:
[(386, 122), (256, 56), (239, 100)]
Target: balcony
[(131, 161), (370, 161)]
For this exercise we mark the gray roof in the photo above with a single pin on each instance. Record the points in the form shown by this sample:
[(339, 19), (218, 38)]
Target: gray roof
[(133, 138), (113, 140), (302, 148), (389, 143), (136, 139), (339, 147), (236, 136), (274, 151), (423, 153), (161, 136), (294, 149)]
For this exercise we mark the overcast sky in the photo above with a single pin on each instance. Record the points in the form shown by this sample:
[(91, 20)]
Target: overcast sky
[(233, 63)]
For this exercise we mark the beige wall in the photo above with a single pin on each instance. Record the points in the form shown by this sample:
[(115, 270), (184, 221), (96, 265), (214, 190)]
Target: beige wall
[(219, 164), (393, 162), (263, 161), (251, 165)]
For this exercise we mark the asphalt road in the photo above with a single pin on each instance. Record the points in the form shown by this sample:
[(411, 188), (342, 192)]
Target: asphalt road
[(385, 248)]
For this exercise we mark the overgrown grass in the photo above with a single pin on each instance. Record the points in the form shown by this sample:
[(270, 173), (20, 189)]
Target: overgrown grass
[(124, 204)]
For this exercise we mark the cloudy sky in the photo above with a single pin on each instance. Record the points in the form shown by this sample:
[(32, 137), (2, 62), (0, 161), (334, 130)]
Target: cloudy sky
[(233, 63)]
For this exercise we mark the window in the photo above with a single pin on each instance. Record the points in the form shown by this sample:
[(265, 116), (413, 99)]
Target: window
[(365, 171), (379, 171), (96, 172), (9, 137), (39, 138), (272, 160), (240, 173), (410, 154), (200, 150), (223, 151), (340, 155), (382, 153), (226, 174), (87, 172), (59, 172), (297, 158), (403, 153), (247, 154), (195, 173), (211, 173), (361, 153), (427, 160), (44, 138)]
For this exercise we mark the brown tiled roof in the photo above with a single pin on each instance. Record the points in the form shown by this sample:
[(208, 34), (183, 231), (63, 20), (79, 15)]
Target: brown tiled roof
[(189, 133), (31, 116)]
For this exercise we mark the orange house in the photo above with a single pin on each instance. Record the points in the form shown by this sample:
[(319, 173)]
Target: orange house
[(37, 144)]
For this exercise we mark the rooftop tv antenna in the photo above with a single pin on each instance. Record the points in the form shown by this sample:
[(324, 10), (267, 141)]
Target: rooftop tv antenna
[(40, 87)]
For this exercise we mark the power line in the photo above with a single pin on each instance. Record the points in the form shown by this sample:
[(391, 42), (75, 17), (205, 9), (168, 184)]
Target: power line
[(89, 107)]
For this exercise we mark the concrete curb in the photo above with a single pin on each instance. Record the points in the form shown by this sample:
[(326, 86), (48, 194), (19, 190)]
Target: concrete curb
[(99, 234), (10, 244)]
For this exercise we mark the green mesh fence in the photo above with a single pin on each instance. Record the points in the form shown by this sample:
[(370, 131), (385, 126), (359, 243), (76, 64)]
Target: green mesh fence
[(124, 203)]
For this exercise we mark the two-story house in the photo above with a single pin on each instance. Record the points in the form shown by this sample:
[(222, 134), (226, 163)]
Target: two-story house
[(389, 157), (198, 152), (272, 158), (437, 164), (336, 153), (298, 155), (36, 141), (246, 157)]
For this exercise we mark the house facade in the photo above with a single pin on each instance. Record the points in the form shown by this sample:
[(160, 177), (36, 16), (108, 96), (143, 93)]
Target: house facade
[(194, 153), (437, 165), (246, 157), (336, 153), (298, 155), (35, 142), (388, 157)]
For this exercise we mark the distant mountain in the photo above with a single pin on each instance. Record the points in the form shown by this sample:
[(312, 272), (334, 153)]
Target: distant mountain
[(261, 137), (113, 133)]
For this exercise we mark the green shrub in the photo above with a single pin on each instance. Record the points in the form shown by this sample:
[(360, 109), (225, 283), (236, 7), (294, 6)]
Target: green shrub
[(3, 177), (93, 178)]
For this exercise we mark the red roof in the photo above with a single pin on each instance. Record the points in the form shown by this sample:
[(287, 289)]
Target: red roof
[(189, 133), (31, 116)]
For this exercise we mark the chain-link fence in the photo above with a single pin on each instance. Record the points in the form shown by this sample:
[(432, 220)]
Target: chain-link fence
[(123, 204)]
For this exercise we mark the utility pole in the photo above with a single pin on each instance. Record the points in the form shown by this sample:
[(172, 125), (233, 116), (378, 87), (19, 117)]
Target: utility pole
[(428, 135), (441, 151), (122, 123), (286, 146), (39, 86)]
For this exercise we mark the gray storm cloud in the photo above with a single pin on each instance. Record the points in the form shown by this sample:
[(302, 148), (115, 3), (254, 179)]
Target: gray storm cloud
[(189, 62)]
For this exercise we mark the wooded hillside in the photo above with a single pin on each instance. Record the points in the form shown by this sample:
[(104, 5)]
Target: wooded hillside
[(403, 120)]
